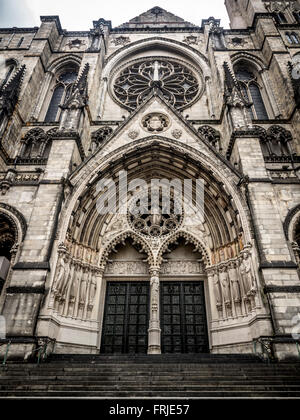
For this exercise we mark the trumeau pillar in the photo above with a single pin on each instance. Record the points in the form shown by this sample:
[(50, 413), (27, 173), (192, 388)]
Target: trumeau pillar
[(154, 332)]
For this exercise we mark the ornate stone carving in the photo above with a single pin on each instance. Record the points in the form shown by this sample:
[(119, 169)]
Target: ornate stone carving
[(225, 287), (192, 40), (121, 41), (154, 323), (76, 43), (176, 134), (9, 94), (99, 136), (237, 41), (126, 267), (210, 134), (75, 101), (155, 122), (236, 101), (133, 134), (248, 281), (152, 220), (235, 286), (182, 267), (34, 143), (135, 83), (277, 6), (115, 227)]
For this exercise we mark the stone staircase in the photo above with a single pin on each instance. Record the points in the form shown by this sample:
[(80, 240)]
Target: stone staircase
[(151, 376)]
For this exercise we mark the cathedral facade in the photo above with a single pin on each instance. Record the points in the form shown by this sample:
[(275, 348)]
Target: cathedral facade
[(151, 101)]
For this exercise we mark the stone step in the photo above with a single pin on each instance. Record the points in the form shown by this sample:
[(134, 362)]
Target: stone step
[(156, 381), (165, 358), (152, 394), (97, 370), (107, 366), (159, 377), (126, 378), (154, 388)]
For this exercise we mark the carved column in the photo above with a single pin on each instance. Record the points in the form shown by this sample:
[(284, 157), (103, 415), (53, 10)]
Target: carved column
[(154, 331)]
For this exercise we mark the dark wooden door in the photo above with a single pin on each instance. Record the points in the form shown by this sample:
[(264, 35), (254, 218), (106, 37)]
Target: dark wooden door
[(183, 317), (126, 318)]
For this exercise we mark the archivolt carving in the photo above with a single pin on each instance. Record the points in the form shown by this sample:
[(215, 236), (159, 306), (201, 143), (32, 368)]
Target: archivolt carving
[(189, 239), (223, 178)]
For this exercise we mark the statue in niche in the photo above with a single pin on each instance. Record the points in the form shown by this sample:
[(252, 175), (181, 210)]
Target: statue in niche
[(62, 275), (83, 286), (92, 291), (216, 288), (224, 281), (234, 282), (74, 285), (248, 272)]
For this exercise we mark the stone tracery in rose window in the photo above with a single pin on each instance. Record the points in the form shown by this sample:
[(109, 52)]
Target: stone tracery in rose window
[(176, 82), (155, 219)]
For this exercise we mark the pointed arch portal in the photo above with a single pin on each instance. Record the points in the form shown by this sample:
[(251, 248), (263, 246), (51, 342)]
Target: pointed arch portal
[(149, 293)]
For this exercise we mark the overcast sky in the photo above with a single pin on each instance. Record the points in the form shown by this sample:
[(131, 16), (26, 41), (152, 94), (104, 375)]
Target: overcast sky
[(77, 15)]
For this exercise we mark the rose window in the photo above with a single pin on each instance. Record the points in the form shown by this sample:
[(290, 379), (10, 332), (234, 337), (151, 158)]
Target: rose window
[(154, 220), (176, 82)]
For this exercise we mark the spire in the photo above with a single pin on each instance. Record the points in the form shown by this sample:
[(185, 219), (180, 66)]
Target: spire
[(9, 93), (78, 96), (232, 91), (236, 101)]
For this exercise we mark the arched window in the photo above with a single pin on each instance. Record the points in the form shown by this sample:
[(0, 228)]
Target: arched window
[(251, 91), (61, 91), (297, 16), (292, 37), (288, 37), (280, 17)]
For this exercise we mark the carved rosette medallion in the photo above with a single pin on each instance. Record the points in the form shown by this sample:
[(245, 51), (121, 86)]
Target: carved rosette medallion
[(133, 134), (155, 122)]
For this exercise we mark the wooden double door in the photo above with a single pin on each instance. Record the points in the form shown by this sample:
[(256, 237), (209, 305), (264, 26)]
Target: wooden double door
[(182, 317)]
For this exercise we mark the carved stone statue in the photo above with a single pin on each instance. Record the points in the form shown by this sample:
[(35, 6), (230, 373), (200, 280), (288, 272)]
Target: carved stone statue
[(62, 273), (216, 288), (83, 286), (225, 285), (92, 291), (154, 285), (224, 281)]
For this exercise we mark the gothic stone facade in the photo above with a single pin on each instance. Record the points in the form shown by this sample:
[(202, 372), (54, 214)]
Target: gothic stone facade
[(159, 98)]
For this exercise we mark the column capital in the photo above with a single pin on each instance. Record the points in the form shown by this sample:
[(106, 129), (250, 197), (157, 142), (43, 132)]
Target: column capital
[(154, 271)]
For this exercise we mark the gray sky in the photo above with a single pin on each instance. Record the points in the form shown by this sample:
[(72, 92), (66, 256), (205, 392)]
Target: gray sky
[(77, 15)]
